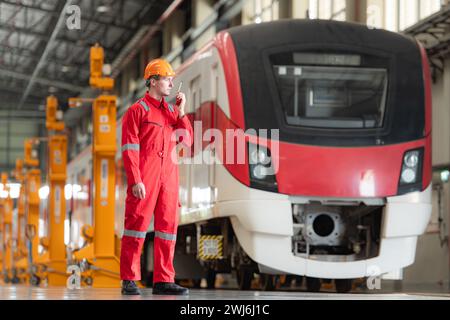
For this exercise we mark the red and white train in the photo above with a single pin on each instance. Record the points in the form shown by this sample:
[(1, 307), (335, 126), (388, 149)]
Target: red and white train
[(352, 189)]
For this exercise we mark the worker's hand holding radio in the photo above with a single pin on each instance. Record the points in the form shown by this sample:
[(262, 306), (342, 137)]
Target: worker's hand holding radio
[(139, 190), (181, 100)]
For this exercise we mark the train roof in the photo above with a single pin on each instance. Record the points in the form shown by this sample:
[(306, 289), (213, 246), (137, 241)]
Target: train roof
[(289, 32)]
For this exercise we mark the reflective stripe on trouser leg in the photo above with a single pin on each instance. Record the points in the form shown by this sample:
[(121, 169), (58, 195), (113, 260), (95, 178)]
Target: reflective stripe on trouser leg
[(131, 146), (134, 233), (166, 222), (165, 235)]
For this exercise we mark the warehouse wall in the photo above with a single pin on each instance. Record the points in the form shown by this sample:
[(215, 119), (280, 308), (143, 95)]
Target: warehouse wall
[(441, 117), (12, 135)]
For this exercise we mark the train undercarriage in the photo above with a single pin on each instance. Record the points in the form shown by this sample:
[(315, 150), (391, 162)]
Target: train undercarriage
[(208, 248)]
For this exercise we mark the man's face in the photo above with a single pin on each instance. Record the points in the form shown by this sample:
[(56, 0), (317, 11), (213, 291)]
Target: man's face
[(164, 85)]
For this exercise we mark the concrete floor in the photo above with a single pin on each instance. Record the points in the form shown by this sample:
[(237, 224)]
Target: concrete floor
[(22, 292)]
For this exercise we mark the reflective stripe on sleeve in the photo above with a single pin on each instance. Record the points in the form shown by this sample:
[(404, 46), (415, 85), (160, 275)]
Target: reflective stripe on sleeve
[(142, 102)]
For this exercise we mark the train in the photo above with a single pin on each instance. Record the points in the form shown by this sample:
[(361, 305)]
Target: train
[(335, 181)]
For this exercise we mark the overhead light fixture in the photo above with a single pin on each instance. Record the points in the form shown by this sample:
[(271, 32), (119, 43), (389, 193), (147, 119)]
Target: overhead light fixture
[(65, 68), (103, 8), (52, 90)]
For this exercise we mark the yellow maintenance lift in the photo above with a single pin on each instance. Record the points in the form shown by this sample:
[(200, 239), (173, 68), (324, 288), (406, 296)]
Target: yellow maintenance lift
[(6, 207), (21, 254), (57, 167), (51, 265), (99, 260), (1, 243), (32, 202), (37, 263)]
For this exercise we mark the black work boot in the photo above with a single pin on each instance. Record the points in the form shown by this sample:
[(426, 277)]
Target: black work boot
[(130, 288), (169, 288)]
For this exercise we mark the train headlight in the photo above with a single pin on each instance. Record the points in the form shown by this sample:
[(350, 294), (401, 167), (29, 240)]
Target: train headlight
[(408, 175), (259, 172), (259, 156), (411, 159), (411, 174), (262, 175)]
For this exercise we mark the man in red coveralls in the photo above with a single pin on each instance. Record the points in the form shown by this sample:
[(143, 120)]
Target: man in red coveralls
[(152, 179)]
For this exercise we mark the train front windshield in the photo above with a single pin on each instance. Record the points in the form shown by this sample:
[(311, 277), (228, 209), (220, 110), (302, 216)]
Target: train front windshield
[(332, 97)]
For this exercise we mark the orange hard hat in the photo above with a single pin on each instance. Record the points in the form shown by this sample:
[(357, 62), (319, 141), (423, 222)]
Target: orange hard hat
[(158, 67)]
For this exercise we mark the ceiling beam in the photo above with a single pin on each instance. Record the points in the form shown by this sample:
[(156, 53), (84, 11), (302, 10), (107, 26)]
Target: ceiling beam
[(44, 36), (83, 17), (30, 54), (14, 90), (43, 81), (22, 115)]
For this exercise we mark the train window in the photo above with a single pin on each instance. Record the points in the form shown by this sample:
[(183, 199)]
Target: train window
[(195, 93), (332, 96)]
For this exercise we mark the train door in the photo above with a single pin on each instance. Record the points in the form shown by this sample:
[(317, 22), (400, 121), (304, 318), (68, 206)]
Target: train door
[(213, 116), (184, 167), (200, 191)]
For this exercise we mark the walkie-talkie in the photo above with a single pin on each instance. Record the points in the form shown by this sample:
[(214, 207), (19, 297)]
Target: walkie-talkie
[(178, 101)]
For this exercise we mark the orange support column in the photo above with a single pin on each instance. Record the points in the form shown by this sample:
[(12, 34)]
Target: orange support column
[(32, 185), (104, 151), (57, 210), (103, 267), (57, 155), (21, 258), (2, 240), (7, 208), (104, 174), (2, 252), (36, 262)]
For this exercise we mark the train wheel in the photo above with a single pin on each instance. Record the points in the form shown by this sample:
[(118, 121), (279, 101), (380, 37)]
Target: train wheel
[(343, 285), (313, 284), (211, 279), (298, 280), (268, 282), (286, 282), (244, 278), (197, 283)]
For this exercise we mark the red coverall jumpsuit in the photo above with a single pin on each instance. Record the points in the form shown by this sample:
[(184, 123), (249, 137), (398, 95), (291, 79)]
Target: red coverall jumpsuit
[(146, 149)]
